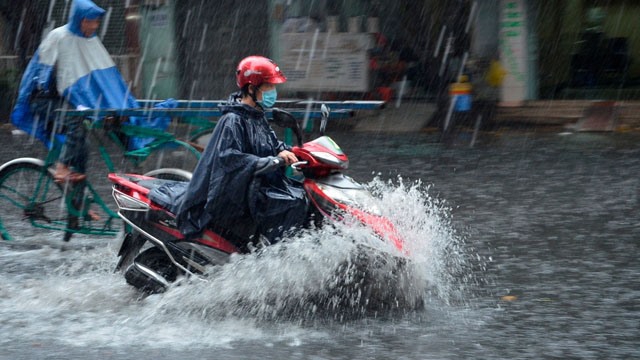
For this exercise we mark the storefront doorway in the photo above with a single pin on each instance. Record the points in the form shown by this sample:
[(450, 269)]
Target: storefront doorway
[(589, 49)]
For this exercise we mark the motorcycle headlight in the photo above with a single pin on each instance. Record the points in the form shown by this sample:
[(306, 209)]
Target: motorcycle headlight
[(358, 198)]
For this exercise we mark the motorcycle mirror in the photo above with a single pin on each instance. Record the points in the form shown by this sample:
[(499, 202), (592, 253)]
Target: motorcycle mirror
[(324, 109), (284, 119)]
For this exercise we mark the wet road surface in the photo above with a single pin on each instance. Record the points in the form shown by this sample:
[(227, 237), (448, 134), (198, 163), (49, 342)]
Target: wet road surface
[(532, 241)]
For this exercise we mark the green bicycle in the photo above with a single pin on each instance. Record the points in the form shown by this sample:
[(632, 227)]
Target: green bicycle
[(35, 205)]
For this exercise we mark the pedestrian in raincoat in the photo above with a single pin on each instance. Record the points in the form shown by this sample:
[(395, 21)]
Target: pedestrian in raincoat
[(71, 68), (224, 191)]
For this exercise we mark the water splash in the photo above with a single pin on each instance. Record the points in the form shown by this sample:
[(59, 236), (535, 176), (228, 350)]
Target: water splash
[(271, 295), (437, 251), (337, 272)]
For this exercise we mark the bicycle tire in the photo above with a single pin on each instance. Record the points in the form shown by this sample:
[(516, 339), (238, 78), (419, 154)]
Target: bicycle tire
[(202, 137), (170, 174), (33, 204), (174, 154)]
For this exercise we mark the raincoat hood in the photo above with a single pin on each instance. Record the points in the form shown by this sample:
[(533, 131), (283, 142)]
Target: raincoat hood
[(242, 110), (83, 9), (234, 104)]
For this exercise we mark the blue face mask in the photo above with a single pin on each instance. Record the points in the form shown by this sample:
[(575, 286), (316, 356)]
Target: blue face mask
[(269, 98)]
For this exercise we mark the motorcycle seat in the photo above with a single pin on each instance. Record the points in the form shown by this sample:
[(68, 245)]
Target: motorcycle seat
[(168, 194)]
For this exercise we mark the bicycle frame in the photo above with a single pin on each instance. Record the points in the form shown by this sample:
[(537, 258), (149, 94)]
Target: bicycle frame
[(77, 199)]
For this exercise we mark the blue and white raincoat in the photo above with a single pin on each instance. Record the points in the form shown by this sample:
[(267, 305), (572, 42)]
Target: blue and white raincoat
[(83, 72)]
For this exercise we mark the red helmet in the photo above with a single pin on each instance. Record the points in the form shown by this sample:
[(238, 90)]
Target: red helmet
[(256, 70)]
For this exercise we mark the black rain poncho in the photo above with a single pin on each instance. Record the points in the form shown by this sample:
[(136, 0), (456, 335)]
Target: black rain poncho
[(224, 190)]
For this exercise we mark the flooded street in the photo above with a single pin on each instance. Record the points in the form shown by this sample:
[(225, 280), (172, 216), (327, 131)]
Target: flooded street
[(525, 248)]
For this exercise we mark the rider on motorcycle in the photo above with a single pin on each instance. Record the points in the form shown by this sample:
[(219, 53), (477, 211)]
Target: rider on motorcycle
[(224, 192)]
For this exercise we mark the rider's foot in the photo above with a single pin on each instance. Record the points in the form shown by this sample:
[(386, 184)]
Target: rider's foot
[(64, 174), (196, 146), (93, 216)]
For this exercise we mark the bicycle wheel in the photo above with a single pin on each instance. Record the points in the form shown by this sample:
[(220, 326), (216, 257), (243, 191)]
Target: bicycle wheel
[(175, 155), (170, 174), (201, 138), (33, 205)]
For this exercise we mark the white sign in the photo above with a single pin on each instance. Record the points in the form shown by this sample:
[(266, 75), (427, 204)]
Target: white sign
[(325, 61), (513, 51)]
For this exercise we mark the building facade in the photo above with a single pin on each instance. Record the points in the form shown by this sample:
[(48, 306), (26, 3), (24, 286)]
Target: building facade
[(548, 49)]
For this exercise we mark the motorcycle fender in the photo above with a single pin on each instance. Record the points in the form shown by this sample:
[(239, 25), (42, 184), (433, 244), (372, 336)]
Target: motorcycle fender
[(129, 249)]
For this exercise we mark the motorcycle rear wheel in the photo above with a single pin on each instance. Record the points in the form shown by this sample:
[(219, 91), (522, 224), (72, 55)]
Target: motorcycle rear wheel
[(156, 260)]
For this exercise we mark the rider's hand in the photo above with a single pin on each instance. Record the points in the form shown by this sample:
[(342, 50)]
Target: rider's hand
[(288, 157)]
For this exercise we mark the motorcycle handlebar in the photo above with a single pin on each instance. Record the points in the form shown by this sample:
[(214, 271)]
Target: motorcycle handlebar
[(276, 162), (296, 165)]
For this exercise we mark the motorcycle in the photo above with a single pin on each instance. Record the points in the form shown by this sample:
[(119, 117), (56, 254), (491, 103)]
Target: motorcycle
[(333, 197)]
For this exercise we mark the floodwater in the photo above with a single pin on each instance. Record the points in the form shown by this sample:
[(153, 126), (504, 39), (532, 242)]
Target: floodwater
[(524, 247)]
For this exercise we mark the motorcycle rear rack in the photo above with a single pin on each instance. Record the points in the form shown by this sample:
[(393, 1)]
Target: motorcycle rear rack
[(161, 245)]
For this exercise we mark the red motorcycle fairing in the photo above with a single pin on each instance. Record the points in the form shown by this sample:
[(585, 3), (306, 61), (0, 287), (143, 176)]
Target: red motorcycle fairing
[(322, 155), (208, 238), (325, 159), (334, 210)]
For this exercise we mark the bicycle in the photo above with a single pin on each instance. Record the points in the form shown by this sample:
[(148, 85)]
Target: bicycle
[(28, 183)]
